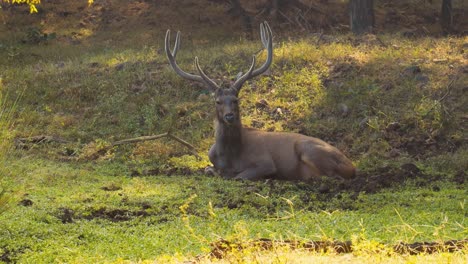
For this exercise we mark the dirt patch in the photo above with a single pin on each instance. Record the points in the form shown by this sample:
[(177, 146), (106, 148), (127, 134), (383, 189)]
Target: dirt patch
[(115, 215), (26, 202), (111, 187), (223, 247), (67, 215), (370, 181), (8, 255), (460, 178)]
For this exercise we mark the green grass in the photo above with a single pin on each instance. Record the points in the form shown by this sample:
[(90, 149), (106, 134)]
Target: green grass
[(353, 92), (7, 108), (95, 213)]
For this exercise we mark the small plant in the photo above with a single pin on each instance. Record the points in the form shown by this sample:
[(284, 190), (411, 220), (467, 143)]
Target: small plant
[(35, 35), (97, 149)]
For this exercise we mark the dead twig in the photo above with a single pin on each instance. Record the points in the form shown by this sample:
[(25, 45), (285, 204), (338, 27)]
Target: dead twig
[(449, 89), (138, 139), (185, 143), (167, 134), (37, 140)]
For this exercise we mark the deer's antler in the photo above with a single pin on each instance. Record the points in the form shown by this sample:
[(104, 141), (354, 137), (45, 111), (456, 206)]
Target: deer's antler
[(267, 41), (171, 57), (266, 37)]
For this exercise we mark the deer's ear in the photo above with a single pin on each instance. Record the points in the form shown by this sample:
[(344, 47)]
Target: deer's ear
[(217, 92)]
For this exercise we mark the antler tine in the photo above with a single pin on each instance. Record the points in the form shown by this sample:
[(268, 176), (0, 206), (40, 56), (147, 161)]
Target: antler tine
[(171, 57), (176, 44), (207, 80), (240, 81), (266, 36), (267, 41), (263, 36)]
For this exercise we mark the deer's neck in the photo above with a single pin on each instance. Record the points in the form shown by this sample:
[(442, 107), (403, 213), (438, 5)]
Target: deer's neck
[(228, 139)]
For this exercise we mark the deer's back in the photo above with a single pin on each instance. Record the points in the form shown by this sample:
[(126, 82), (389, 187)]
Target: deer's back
[(286, 148)]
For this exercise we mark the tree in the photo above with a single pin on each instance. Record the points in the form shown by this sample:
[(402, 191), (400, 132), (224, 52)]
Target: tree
[(238, 11), (446, 16), (361, 14), (273, 9)]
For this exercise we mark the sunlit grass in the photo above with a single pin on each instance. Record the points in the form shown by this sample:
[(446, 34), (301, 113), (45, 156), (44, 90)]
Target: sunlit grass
[(212, 209), (344, 90)]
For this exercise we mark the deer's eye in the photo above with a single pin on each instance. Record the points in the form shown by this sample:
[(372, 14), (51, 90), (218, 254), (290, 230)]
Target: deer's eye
[(218, 102)]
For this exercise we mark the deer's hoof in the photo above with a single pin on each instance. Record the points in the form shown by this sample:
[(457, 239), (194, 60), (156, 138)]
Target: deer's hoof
[(210, 170)]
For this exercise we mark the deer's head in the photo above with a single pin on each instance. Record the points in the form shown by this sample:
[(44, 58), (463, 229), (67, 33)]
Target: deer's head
[(226, 98)]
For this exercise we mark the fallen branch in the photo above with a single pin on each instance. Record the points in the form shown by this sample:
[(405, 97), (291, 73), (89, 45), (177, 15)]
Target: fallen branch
[(146, 138), (37, 140), (138, 139)]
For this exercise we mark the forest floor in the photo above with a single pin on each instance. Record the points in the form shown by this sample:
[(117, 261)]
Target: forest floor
[(76, 78)]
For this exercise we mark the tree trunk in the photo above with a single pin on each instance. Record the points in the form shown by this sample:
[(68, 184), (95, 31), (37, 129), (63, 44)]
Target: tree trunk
[(446, 16), (361, 14), (238, 10)]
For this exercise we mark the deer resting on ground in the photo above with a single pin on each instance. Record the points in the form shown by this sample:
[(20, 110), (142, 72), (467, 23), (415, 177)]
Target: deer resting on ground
[(251, 154)]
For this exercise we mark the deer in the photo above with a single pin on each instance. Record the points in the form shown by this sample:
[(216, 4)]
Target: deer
[(245, 153)]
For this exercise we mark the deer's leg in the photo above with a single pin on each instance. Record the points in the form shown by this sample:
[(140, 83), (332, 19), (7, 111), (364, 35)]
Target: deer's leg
[(212, 154), (215, 160), (211, 170), (324, 160), (308, 155), (307, 169), (258, 172)]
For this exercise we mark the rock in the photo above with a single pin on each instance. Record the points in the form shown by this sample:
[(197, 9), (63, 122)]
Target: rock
[(344, 109), (278, 111)]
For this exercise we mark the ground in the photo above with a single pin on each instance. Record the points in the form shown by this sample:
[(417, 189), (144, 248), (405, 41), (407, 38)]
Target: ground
[(77, 78)]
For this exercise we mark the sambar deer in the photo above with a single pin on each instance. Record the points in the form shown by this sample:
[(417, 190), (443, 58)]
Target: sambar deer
[(246, 153)]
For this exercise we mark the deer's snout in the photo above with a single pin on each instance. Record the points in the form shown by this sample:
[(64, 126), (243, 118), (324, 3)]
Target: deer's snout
[(229, 117)]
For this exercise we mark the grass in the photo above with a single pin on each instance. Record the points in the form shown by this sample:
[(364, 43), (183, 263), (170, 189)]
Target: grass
[(94, 213), (6, 134), (387, 101)]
